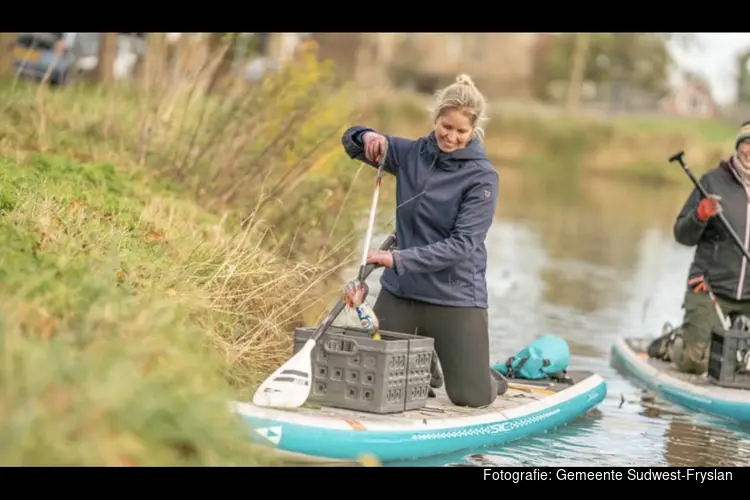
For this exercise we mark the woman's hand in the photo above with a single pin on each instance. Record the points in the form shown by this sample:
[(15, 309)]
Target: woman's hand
[(380, 257), (375, 146), (709, 207)]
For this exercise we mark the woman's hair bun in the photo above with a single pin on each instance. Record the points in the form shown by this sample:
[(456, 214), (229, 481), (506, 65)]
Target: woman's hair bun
[(464, 79)]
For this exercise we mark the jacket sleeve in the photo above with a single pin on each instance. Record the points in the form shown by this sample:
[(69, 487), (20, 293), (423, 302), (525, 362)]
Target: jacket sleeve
[(472, 224), (398, 148), (688, 229)]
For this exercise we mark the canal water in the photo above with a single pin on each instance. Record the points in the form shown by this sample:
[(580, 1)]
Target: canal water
[(592, 260)]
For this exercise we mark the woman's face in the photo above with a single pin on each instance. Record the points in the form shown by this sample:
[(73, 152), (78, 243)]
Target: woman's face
[(743, 153), (453, 130)]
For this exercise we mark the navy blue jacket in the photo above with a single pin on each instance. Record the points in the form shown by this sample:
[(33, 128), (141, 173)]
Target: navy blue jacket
[(445, 206)]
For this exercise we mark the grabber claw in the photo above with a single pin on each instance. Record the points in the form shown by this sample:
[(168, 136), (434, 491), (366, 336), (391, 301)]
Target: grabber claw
[(355, 293)]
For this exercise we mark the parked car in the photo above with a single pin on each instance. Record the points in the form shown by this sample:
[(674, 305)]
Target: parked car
[(69, 55), (35, 54)]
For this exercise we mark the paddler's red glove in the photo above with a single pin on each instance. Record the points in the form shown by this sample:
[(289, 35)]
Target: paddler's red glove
[(708, 207), (698, 284)]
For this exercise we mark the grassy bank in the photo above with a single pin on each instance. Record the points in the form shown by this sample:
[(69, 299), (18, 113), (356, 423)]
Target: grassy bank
[(108, 306), (158, 246), (629, 148)]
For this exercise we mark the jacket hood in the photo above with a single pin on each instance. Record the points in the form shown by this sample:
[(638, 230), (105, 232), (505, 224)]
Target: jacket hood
[(474, 151)]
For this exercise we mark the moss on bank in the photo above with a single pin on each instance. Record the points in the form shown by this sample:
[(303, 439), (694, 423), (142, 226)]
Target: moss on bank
[(115, 306)]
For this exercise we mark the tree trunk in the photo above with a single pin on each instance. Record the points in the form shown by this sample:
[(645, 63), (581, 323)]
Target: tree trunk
[(153, 67), (7, 43), (577, 72), (216, 43), (107, 55)]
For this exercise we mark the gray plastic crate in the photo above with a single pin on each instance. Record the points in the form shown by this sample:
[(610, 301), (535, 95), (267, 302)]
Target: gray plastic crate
[(351, 370), (723, 368)]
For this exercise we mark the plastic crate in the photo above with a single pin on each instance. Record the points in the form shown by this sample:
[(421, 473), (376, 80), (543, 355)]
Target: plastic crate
[(723, 368), (351, 370)]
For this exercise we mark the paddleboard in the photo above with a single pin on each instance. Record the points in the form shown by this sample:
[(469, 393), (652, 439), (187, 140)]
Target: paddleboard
[(527, 408), (693, 392)]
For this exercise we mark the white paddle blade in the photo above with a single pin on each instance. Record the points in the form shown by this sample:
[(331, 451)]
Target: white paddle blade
[(289, 386)]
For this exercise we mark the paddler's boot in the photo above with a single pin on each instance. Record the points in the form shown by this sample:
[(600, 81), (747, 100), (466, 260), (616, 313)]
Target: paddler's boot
[(436, 377), (660, 348)]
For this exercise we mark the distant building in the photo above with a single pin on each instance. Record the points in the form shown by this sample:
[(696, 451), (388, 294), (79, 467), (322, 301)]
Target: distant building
[(501, 64), (361, 57), (692, 98)]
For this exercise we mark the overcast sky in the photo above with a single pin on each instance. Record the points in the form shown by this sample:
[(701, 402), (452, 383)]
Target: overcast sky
[(714, 57)]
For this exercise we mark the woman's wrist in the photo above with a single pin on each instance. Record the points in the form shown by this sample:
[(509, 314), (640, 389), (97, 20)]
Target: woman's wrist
[(394, 259)]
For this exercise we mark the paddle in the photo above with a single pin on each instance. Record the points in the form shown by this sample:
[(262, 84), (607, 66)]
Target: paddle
[(678, 157), (289, 386)]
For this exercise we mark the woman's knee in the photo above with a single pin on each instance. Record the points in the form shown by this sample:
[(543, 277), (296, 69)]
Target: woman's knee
[(474, 387), (696, 335), (691, 357), (462, 343), (700, 318), (473, 398)]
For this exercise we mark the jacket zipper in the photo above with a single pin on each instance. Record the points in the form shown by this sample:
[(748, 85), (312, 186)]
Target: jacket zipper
[(743, 266), (743, 270), (421, 191)]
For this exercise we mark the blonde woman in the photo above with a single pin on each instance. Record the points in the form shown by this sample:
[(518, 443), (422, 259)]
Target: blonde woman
[(434, 284)]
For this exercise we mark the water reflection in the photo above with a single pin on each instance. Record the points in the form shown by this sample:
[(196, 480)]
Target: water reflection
[(690, 442), (592, 260)]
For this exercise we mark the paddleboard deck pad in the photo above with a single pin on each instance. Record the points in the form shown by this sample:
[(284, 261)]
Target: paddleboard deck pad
[(528, 407), (690, 391)]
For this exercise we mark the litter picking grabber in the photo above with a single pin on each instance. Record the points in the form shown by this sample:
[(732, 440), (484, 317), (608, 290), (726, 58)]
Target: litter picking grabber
[(289, 386), (371, 221), (357, 292)]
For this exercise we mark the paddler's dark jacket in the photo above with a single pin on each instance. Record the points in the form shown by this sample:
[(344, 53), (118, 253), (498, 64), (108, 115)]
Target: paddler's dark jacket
[(446, 203), (716, 255)]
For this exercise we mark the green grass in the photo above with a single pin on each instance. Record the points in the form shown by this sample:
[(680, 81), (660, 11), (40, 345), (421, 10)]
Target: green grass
[(157, 248), (705, 130), (103, 358)]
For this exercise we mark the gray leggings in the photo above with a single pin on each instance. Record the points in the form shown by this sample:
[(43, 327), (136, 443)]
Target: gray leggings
[(461, 337)]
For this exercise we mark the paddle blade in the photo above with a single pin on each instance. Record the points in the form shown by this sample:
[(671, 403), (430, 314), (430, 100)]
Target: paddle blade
[(289, 386)]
